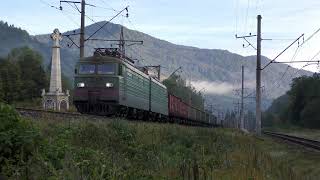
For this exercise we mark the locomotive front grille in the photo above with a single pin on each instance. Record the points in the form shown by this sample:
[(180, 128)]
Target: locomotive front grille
[(93, 97)]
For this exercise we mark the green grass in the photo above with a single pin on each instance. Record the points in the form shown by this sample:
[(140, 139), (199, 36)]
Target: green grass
[(119, 149)]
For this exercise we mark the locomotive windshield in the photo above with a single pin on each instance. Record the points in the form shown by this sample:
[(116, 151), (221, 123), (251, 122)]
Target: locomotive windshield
[(87, 69), (106, 68)]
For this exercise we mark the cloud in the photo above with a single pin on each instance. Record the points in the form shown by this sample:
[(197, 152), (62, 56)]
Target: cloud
[(220, 88), (215, 88)]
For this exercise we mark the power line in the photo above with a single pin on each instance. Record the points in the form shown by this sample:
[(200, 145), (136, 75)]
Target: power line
[(126, 8), (278, 83), (91, 19), (297, 40), (64, 12), (308, 63), (111, 8), (310, 37), (294, 56), (292, 61)]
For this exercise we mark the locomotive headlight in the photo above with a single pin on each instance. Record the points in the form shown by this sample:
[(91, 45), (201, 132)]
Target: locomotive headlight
[(109, 85), (80, 85)]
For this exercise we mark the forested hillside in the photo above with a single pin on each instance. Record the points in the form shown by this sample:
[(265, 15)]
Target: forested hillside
[(299, 106), (12, 37)]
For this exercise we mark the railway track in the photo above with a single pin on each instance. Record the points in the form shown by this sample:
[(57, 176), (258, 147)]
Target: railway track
[(294, 139), (34, 113), (28, 112)]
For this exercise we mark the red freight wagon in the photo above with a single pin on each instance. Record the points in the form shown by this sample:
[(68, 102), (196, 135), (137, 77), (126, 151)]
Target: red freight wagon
[(177, 108)]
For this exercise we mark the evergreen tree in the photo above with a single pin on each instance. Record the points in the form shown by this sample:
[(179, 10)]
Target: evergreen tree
[(1, 91), (34, 77), (300, 106), (310, 115), (11, 81), (21, 75)]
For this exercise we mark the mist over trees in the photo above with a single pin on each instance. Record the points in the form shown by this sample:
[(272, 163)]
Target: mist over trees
[(299, 106)]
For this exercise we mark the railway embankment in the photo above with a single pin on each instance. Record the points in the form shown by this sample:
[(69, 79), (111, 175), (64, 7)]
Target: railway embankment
[(78, 147)]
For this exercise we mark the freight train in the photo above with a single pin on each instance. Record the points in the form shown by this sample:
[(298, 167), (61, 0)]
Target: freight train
[(109, 84)]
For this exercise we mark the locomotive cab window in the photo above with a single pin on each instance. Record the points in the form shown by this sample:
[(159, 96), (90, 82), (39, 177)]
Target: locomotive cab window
[(87, 69), (107, 68)]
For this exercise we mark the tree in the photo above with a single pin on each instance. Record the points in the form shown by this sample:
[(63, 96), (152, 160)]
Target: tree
[(178, 87), (277, 113), (311, 114), (1, 91), (22, 76), (10, 80), (300, 105), (34, 77), (304, 90)]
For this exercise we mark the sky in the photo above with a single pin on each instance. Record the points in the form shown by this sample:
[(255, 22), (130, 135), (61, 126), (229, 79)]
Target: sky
[(210, 24)]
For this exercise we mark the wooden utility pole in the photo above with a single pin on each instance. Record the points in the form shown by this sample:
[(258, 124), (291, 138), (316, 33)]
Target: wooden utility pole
[(242, 89), (83, 5), (258, 78)]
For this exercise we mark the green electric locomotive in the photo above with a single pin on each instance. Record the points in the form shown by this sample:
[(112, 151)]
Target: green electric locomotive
[(109, 84)]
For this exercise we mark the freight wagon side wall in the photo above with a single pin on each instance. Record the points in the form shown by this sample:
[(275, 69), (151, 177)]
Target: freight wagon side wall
[(177, 108)]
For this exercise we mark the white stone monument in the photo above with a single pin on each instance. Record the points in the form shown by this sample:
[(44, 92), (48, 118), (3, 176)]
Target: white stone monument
[(55, 99)]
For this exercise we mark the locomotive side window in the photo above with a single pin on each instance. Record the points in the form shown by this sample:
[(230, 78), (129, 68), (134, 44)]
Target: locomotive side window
[(87, 69), (106, 68)]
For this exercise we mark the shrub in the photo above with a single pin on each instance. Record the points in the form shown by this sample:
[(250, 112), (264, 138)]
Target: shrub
[(18, 139)]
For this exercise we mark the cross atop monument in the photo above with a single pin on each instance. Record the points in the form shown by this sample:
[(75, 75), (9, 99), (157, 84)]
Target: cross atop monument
[(56, 36)]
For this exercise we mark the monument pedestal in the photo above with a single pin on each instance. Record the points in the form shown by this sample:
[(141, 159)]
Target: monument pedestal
[(55, 101)]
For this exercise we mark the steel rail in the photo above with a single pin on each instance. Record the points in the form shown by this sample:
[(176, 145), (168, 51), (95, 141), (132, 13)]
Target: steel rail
[(294, 139)]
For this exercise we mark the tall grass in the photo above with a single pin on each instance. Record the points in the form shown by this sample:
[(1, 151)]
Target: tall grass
[(118, 149)]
